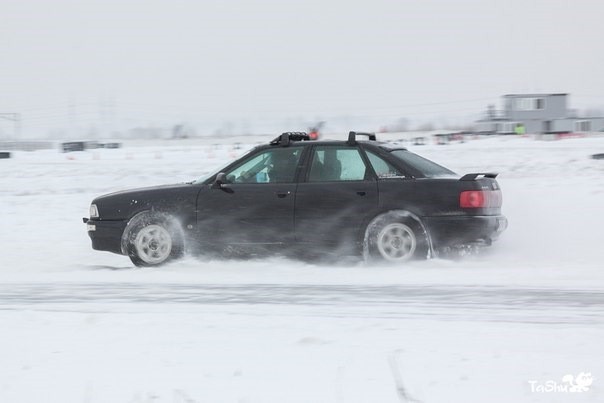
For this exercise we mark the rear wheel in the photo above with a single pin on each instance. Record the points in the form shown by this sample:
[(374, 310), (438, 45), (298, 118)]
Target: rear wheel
[(396, 240), (153, 241)]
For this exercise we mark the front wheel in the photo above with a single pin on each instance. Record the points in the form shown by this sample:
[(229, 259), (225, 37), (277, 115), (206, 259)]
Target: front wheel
[(154, 241), (396, 241)]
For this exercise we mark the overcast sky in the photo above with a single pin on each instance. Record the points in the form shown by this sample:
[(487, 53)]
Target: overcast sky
[(162, 62)]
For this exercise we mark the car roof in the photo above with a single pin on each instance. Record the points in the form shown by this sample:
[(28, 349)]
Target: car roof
[(301, 138), (371, 143)]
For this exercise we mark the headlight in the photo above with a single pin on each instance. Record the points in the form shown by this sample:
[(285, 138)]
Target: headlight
[(94, 212)]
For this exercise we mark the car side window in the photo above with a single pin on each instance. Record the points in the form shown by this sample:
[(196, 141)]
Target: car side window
[(271, 166), (336, 164), (383, 169)]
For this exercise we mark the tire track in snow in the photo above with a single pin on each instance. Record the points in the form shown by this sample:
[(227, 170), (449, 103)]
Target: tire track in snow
[(486, 303)]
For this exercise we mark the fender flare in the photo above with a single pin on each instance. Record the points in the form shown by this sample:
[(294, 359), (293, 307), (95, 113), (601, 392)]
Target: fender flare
[(398, 214), (149, 215)]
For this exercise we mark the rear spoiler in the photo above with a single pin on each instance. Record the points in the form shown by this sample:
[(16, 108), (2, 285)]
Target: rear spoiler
[(473, 177)]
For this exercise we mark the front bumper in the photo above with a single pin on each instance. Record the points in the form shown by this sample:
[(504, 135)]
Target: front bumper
[(105, 235), (464, 230)]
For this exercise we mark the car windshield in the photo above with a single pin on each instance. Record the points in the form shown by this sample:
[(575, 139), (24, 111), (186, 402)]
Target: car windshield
[(426, 167)]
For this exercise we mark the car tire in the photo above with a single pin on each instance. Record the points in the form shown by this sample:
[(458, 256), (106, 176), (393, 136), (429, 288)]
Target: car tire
[(396, 240), (154, 240)]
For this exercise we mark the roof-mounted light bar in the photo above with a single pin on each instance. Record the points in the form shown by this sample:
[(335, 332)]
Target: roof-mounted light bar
[(284, 139)]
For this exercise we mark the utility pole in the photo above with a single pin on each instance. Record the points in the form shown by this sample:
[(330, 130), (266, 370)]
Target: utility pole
[(106, 116), (16, 119)]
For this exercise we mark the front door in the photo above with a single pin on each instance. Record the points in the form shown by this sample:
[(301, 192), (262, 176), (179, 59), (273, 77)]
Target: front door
[(256, 206)]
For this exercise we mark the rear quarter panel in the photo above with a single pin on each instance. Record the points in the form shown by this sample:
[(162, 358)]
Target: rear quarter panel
[(426, 197)]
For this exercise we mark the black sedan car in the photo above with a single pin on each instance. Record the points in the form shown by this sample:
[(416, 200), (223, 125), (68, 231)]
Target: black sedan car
[(361, 196)]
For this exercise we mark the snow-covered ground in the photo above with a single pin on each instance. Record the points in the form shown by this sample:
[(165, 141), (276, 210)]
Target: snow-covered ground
[(84, 326)]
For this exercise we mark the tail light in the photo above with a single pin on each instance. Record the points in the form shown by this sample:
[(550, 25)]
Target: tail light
[(480, 199)]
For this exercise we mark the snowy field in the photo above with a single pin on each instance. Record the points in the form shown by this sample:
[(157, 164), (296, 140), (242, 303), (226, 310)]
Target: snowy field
[(83, 326)]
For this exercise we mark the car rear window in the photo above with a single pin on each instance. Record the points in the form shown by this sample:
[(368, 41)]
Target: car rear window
[(426, 167)]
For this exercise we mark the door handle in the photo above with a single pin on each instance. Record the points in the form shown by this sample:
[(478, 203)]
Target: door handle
[(361, 193), (282, 195)]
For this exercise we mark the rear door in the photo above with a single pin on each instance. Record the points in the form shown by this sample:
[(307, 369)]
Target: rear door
[(336, 195)]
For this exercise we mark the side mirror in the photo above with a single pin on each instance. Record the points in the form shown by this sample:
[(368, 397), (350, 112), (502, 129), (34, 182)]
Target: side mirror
[(221, 183)]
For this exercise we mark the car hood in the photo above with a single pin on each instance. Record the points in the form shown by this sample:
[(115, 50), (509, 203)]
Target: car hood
[(167, 198)]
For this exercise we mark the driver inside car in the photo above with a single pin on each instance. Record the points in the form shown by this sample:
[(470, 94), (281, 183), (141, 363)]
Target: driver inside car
[(283, 166)]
